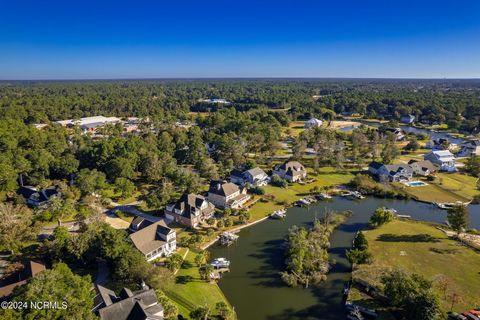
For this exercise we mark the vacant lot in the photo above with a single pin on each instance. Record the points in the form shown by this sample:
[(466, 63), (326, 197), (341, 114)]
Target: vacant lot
[(421, 248)]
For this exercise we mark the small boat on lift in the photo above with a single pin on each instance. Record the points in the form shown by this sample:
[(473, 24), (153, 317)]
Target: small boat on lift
[(220, 263), (228, 238)]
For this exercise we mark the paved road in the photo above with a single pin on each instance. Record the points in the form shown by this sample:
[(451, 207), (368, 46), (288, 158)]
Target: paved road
[(132, 209), (113, 220)]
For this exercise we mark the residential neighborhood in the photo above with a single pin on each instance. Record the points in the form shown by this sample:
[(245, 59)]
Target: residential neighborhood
[(153, 219)]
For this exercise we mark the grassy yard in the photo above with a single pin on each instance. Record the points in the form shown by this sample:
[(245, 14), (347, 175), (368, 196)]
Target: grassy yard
[(295, 128), (421, 248), (327, 177), (447, 187), (190, 291)]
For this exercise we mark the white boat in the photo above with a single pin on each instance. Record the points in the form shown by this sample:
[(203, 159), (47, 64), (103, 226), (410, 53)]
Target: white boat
[(444, 205), (279, 214), (405, 216), (392, 210), (357, 195), (220, 263), (324, 196), (303, 202)]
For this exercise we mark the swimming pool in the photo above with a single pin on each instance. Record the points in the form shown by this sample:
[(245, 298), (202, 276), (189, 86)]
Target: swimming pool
[(415, 183)]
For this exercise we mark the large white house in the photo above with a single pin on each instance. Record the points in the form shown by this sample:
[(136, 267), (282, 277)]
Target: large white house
[(155, 240), (443, 159), (313, 123), (292, 171), (225, 194), (254, 176)]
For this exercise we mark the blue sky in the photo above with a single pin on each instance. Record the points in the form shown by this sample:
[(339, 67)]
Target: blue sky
[(242, 38)]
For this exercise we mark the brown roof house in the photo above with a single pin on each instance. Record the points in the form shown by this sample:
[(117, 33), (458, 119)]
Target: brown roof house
[(423, 168), (30, 270), (292, 171), (155, 240), (128, 305), (225, 194), (190, 210)]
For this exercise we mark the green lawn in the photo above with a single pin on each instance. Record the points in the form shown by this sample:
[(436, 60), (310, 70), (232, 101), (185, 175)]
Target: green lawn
[(327, 177), (421, 248), (295, 128), (447, 187), (190, 291)]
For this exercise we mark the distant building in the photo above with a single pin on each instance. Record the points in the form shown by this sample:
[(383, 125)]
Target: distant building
[(254, 176), (470, 148), (190, 210), (128, 305), (423, 168), (214, 100), (397, 132), (407, 118), (313, 123), (225, 194), (439, 144), (292, 171), (30, 270), (36, 198), (89, 121), (443, 159), (155, 240)]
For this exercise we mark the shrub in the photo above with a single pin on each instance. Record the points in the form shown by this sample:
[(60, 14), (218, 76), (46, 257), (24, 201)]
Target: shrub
[(381, 216), (279, 182)]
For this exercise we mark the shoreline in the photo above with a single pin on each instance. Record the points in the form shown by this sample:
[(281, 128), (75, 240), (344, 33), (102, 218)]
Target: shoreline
[(234, 230)]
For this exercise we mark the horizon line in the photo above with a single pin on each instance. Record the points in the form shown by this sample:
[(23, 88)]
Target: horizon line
[(238, 78)]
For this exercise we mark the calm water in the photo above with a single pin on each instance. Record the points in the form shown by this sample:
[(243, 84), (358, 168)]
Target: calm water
[(253, 285), (433, 135)]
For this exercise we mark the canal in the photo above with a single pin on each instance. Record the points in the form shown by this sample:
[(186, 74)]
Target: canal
[(253, 286)]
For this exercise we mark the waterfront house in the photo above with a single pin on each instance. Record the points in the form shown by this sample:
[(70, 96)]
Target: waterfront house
[(439, 144), (423, 168), (292, 171), (395, 173), (190, 210), (397, 132), (36, 198), (154, 241), (443, 159), (313, 123), (30, 270), (407, 118), (254, 177), (141, 305), (470, 148), (225, 194)]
